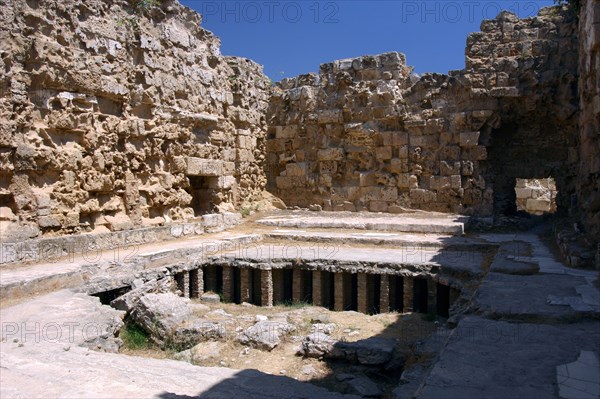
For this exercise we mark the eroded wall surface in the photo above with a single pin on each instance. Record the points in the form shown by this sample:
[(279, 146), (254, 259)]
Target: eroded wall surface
[(589, 120), (368, 134), (115, 117)]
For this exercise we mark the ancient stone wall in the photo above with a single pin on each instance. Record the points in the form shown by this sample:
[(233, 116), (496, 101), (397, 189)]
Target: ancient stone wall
[(588, 183), (529, 67), (367, 134), (115, 116)]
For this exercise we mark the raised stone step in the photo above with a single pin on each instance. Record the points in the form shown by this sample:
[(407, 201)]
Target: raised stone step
[(352, 259), (115, 267), (411, 223), (395, 239)]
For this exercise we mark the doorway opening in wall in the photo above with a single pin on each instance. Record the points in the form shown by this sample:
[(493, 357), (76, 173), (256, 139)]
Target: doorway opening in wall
[(536, 196), (202, 190)]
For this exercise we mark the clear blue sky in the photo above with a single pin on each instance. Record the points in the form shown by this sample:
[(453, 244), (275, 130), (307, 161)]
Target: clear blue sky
[(294, 37)]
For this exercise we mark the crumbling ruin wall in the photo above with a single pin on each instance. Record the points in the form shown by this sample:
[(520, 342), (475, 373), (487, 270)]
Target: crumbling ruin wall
[(115, 115), (529, 67), (588, 183), (367, 134)]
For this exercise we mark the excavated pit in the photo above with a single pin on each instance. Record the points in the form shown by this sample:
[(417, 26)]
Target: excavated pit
[(365, 288), (312, 305)]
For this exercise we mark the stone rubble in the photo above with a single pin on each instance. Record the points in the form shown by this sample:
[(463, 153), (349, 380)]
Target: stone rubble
[(265, 335), (128, 301), (369, 352)]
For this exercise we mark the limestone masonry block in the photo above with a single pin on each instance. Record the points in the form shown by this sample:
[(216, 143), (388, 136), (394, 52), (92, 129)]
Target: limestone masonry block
[(539, 205), (286, 132), (439, 182), (469, 139), (383, 153), (212, 220), (421, 196), (398, 165), (295, 169), (226, 182), (456, 182), (403, 180), (479, 153), (330, 116), (368, 179), (449, 168), (331, 154), (524, 192), (389, 194), (413, 182)]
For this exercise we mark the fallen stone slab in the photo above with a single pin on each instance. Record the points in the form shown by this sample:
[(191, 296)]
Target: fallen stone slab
[(193, 332), (160, 314), (201, 353), (129, 300), (265, 335), (373, 351), (316, 345), (62, 317)]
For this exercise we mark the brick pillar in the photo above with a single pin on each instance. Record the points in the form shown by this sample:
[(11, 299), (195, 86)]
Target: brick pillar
[(338, 291), (431, 296), (196, 283), (384, 294), (317, 294), (297, 285), (245, 285), (227, 284), (407, 305), (185, 284), (266, 287), (178, 279), (362, 293)]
